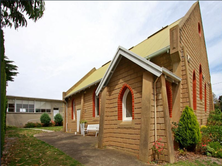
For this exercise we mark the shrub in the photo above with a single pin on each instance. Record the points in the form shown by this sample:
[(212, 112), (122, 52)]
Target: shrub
[(29, 125), (214, 149), (215, 118), (212, 133), (53, 123), (187, 134), (38, 124), (58, 119), (45, 119)]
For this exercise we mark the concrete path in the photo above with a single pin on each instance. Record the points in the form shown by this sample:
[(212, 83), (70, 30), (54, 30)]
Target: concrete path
[(49, 131), (84, 150)]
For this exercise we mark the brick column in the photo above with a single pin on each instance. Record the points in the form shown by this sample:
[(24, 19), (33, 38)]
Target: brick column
[(102, 118), (145, 134), (169, 139)]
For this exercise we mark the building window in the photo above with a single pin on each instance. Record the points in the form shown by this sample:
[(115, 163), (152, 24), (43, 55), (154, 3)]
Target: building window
[(205, 97), (96, 105), (194, 92), (169, 98), (200, 81), (126, 104), (24, 107), (11, 107), (42, 110), (73, 110)]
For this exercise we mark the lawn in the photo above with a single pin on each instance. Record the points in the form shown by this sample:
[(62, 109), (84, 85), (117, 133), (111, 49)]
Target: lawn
[(22, 148)]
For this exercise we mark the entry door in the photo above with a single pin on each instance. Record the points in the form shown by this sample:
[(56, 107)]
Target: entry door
[(78, 119), (55, 112)]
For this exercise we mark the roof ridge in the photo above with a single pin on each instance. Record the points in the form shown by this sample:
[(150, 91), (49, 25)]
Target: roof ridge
[(187, 15), (153, 34), (81, 80)]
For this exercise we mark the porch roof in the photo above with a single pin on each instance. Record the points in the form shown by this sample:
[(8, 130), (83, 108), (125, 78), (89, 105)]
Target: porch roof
[(142, 62)]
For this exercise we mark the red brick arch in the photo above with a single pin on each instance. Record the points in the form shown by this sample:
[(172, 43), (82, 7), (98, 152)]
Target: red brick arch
[(169, 97), (205, 97), (93, 99), (194, 91), (120, 97), (73, 108), (200, 81)]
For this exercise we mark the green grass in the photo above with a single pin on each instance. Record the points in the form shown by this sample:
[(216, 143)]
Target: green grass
[(54, 128), (28, 150)]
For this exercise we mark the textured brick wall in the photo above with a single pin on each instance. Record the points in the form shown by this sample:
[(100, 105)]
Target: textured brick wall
[(163, 60), (88, 106), (125, 138), (194, 45), (87, 113), (161, 133)]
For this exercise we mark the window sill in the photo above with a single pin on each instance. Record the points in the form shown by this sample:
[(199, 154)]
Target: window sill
[(124, 124)]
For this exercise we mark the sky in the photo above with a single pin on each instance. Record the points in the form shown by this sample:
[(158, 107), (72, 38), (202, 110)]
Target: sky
[(72, 37)]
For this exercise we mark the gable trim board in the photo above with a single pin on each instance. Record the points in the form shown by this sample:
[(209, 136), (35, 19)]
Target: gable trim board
[(142, 62), (94, 83)]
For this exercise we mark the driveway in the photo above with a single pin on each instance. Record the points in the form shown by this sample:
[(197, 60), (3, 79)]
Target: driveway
[(84, 150)]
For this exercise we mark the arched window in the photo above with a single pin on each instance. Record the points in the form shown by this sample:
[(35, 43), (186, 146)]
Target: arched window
[(169, 98), (205, 97), (200, 81), (95, 105), (194, 92), (73, 110), (199, 29), (126, 104)]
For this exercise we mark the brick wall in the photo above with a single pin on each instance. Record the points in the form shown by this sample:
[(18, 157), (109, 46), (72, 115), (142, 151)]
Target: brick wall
[(87, 112), (194, 44), (125, 138)]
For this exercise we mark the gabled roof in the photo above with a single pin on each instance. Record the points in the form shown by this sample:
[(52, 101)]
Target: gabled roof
[(89, 80), (155, 42), (142, 62)]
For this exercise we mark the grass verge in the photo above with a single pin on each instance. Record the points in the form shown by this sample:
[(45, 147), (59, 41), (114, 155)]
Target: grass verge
[(195, 163), (28, 150), (54, 128)]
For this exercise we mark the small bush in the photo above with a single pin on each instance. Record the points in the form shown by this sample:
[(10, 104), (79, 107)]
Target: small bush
[(214, 149), (38, 124), (53, 123), (212, 133), (58, 119), (45, 119), (29, 125), (215, 118), (187, 134)]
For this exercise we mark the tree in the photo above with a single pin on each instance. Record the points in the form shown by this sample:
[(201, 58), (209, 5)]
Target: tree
[(216, 102), (188, 133), (12, 12), (10, 69)]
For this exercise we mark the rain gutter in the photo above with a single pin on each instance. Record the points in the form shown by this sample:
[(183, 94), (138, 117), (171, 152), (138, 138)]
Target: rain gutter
[(157, 53)]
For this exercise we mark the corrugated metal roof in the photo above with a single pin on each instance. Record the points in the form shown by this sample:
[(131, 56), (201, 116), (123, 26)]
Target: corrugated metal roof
[(92, 78), (155, 42)]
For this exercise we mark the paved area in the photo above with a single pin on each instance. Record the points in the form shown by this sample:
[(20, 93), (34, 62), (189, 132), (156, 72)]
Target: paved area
[(84, 150)]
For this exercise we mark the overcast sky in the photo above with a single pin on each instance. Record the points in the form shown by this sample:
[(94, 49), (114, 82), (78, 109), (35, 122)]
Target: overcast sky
[(73, 37)]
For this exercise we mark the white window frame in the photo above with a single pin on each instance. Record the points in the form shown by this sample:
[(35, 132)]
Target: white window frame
[(124, 106), (96, 106), (73, 110)]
